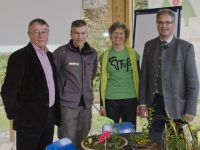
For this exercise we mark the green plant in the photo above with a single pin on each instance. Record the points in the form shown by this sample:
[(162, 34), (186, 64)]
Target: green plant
[(141, 4), (95, 13), (143, 137), (114, 142), (3, 65), (180, 135), (195, 142)]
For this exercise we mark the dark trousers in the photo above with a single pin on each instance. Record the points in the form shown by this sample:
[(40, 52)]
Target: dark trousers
[(159, 116), (37, 141), (124, 108)]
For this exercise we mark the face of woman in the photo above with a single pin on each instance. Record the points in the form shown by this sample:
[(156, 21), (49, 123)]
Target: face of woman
[(118, 37)]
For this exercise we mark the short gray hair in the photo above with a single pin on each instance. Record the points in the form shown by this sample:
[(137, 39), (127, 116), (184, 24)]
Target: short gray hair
[(166, 11), (39, 21)]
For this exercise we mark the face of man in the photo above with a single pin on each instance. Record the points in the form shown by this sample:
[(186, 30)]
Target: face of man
[(118, 36), (165, 26), (79, 36), (39, 35)]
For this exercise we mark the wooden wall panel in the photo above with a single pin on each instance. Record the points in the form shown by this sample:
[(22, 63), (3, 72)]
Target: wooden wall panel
[(121, 10)]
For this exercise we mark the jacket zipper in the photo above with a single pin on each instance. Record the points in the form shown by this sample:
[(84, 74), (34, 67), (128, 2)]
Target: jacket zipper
[(84, 69), (82, 63)]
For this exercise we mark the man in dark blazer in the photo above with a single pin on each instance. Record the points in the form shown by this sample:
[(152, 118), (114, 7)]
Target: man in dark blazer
[(175, 61), (30, 92)]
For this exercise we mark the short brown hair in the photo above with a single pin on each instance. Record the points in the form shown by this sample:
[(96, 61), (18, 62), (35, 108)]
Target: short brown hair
[(39, 21), (119, 24), (78, 23)]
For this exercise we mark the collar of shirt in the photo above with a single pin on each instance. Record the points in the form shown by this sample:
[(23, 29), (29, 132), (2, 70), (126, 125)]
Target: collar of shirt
[(169, 39), (42, 52)]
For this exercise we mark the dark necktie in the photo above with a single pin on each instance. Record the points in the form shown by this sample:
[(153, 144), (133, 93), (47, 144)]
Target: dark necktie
[(159, 81)]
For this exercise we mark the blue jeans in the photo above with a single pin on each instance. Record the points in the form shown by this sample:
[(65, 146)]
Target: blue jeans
[(159, 116), (37, 141)]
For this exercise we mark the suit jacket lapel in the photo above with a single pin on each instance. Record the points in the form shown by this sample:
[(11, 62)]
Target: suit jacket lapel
[(36, 59)]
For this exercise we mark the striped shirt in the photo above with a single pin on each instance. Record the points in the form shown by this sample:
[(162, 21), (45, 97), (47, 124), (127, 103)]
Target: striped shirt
[(42, 55)]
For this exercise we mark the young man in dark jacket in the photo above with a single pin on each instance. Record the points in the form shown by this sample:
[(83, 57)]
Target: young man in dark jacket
[(76, 64)]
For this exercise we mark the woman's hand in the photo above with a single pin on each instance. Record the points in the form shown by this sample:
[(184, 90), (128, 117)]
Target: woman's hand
[(102, 111)]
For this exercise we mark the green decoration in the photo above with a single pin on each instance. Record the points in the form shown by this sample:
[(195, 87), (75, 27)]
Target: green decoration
[(187, 11), (166, 3)]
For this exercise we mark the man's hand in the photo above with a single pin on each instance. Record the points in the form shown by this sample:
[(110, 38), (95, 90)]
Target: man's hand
[(138, 110), (102, 111), (143, 111), (189, 117)]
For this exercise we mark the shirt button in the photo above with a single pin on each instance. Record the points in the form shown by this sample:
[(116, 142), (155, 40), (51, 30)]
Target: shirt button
[(159, 57), (158, 66), (154, 83), (156, 75), (47, 105), (153, 93)]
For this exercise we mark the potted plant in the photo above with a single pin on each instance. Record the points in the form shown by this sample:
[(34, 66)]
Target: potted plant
[(180, 135), (105, 141), (141, 140)]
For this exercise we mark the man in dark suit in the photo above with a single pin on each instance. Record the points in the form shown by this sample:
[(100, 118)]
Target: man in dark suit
[(172, 63), (30, 92)]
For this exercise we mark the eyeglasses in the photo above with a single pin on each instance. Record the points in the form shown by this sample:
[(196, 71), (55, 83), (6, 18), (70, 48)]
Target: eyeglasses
[(37, 33), (162, 23)]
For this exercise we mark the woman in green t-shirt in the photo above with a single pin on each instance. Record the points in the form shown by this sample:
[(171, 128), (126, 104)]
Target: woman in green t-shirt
[(119, 77)]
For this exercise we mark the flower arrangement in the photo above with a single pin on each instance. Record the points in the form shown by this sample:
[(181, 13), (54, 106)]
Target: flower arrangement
[(142, 139), (112, 143), (180, 135), (196, 137), (104, 141), (177, 135)]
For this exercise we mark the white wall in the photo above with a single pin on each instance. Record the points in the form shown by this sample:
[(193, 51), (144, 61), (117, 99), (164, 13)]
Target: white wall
[(15, 16)]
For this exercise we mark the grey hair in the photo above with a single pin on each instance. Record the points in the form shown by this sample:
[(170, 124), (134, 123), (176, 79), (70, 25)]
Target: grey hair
[(166, 11)]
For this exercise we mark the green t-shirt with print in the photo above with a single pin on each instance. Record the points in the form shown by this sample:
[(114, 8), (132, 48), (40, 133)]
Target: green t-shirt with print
[(120, 81)]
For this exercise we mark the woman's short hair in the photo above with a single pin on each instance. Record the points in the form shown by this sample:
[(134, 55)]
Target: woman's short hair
[(116, 25)]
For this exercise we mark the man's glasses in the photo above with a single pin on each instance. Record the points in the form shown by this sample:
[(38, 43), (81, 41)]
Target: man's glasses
[(162, 23), (37, 33)]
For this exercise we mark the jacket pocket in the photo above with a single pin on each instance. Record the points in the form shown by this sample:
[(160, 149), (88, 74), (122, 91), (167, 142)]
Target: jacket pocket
[(63, 87), (88, 68), (25, 114)]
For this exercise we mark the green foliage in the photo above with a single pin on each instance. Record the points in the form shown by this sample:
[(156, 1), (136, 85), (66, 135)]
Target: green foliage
[(141, 4), (180, 136), (97, 20), (3, 64), (113, 143), (195, 144), (4, 125), (143, 137)]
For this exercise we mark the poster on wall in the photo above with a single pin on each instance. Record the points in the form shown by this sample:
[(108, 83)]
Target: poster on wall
[(190, 22)]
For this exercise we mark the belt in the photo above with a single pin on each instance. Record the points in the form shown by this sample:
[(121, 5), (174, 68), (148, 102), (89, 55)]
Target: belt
[(51, 107)]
